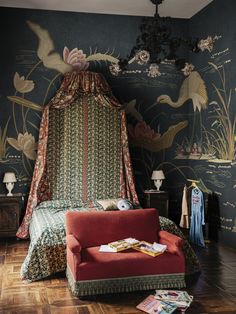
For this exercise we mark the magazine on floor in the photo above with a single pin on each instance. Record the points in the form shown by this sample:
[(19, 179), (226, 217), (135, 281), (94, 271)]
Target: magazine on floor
[(151, 305), (177, 297)]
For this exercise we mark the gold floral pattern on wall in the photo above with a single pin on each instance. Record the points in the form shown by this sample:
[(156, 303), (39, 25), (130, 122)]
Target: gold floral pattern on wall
[(25, 143), (22, 85), (18, 140)]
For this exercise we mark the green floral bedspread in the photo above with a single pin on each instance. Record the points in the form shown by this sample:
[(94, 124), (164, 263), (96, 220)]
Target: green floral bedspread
[(47, 250)]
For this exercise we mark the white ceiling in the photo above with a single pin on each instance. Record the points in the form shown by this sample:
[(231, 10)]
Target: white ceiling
[(173, 8)]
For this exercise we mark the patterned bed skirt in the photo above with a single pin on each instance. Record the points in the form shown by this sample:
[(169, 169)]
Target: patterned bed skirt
[(124, 284)]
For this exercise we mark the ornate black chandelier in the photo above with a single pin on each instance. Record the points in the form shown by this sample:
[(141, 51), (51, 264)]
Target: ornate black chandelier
[(156, 43)]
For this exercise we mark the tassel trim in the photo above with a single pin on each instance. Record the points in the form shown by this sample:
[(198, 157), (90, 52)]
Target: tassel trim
[(125, 284)]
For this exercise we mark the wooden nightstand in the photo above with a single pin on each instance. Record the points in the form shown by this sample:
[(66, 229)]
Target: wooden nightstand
[(10, 212), (158, 200)]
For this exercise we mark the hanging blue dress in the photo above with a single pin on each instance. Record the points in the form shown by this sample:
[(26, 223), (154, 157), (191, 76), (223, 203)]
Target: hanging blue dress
[(197, 217)]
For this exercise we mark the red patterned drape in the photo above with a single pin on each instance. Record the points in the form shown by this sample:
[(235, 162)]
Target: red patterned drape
[(73, 85), (127, 185)]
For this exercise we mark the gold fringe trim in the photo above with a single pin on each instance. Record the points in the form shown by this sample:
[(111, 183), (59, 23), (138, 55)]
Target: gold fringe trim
[(124, 284)]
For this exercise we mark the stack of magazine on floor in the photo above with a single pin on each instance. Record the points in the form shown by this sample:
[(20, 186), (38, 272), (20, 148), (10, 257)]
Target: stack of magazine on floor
[(179, 298), (166, 302), (153, 306)]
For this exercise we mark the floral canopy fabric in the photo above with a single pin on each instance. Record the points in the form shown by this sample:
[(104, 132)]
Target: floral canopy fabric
[(83, 149)]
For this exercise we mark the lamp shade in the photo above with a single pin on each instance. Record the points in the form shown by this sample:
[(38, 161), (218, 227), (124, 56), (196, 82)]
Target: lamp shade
[(158, 175), (9, 177)]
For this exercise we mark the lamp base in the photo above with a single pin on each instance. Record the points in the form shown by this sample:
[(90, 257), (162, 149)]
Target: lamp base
[(9, 186), (158, 183)]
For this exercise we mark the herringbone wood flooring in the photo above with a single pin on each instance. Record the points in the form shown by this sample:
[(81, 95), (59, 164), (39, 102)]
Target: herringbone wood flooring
[(214, 290)]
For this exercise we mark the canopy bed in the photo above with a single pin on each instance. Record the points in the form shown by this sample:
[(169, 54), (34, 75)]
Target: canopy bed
[(83, 157)]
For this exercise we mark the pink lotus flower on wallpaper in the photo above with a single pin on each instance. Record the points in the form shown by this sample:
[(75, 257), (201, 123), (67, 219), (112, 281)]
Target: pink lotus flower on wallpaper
[(76, 58), (143, 131), (25, 143)]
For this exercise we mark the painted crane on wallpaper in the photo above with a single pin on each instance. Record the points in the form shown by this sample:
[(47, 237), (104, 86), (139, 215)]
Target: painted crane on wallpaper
[(194, 88)]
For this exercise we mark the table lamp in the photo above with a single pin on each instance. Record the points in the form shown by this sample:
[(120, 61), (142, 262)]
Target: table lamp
[(158, 176), (9, 179)]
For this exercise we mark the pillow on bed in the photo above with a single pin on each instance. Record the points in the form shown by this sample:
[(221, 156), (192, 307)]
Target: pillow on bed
[(115, 204), (124, 204), (109, 204)]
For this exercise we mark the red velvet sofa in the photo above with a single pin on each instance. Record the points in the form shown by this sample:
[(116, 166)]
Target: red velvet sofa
[(92, 272)]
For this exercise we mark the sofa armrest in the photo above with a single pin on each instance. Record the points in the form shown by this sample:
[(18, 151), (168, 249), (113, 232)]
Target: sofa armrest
[(173, 242), (73, 244)]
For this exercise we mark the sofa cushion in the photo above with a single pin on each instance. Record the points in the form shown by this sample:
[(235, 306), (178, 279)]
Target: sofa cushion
[(99, 265), (96, 228)]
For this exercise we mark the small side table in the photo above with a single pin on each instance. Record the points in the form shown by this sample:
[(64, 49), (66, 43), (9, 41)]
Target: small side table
[(158, 200), (10, 212)]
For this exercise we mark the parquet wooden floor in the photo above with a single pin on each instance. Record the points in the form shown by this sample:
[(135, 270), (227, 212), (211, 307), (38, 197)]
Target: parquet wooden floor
[(214, 290)]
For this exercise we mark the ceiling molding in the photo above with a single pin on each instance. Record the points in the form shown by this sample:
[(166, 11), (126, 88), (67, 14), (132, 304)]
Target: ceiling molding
[(173, 8)]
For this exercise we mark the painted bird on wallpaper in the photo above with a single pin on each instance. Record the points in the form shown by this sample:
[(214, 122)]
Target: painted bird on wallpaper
[(46, 51), (194, 88)]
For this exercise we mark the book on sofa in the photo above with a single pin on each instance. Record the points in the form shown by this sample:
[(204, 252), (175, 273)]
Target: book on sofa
[(152, 249), (153, 306), (124, 244)]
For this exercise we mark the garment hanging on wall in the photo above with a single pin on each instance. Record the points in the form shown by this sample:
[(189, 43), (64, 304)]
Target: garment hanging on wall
[(197, 217), (184, 221)]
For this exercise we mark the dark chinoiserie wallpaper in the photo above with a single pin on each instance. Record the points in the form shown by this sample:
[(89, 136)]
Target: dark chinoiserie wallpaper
[(182, 122)]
